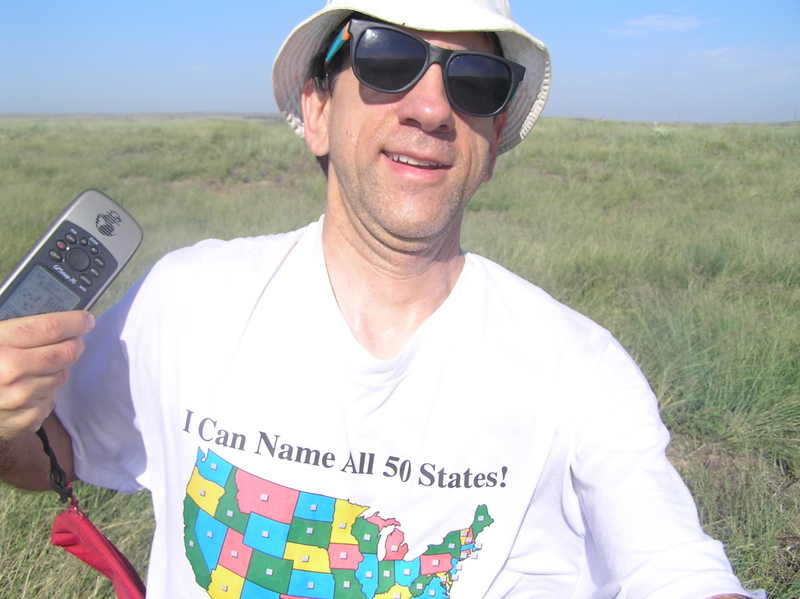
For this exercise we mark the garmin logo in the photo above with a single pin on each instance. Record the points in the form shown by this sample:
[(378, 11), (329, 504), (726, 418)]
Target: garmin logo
[(107, 223)]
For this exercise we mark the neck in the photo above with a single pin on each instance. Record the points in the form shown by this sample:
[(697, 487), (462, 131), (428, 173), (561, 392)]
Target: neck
[(385, 291)]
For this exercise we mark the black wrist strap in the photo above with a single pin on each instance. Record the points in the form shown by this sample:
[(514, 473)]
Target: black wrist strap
[(73, 531), (56, 477)]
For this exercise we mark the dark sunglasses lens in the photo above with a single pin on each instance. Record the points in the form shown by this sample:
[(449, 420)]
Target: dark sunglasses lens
[(388, 60), (479, 85)]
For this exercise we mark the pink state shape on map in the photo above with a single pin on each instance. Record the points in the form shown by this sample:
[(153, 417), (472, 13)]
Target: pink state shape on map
[(235, 555), (380, 522), (259, 496), (396, 549), (435, 564), (344, 557)]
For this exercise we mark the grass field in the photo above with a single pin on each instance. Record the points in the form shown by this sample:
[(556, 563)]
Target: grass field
[(683, 240)]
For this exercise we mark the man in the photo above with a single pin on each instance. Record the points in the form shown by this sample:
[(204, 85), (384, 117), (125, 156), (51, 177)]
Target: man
[(359, 408)]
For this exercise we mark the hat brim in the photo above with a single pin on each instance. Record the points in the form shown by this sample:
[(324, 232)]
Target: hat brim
[(291, 67)]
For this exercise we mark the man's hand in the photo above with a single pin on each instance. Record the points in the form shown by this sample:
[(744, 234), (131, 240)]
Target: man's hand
[(35, 352)]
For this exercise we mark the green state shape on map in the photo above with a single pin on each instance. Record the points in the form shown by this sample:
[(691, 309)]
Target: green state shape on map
[(310, 532), (482, 520), (347, 585), (420, 584), (385, 576), (451, 545), (228, 508), (367, 535), (272, 573), (193, 552)]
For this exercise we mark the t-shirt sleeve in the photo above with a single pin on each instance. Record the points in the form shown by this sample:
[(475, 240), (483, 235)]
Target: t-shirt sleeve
[(112, 404), (96, 408), (638, 511)]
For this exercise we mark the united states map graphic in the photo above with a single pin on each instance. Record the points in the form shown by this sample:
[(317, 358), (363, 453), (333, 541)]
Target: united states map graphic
[(248, 538)]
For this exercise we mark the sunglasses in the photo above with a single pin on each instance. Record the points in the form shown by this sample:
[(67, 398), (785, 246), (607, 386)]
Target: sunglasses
[(389, 59)]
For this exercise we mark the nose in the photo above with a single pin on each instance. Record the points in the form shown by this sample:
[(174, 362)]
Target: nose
[(426, 105)]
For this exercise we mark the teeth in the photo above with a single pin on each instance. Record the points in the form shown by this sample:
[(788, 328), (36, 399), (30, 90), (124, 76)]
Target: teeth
[(413, 161)]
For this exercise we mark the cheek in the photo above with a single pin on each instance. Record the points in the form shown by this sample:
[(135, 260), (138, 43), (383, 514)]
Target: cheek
[(347, 122), (482, 146), (339, 133), (344, 143), (489, 142)]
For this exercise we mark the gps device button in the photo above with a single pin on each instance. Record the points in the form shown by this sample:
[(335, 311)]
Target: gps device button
[(78, 259)]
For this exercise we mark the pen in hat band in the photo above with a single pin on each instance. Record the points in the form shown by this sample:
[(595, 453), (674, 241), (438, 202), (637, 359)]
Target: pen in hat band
[(344, 36)]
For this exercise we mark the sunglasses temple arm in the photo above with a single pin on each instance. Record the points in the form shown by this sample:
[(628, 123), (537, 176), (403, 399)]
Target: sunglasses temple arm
[(344, 36)]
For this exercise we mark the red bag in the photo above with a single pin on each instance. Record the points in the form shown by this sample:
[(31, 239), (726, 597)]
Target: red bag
[(73, 531)]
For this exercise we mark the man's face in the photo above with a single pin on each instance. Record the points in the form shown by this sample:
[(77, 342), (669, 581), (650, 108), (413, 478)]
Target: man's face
[(403, 166)]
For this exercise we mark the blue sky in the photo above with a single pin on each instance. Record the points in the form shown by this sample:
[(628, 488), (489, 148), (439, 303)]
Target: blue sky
[(691, 61)]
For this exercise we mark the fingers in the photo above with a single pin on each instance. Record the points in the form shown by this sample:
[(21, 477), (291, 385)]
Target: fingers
[(27, 404), (44, 329), (35, 353)]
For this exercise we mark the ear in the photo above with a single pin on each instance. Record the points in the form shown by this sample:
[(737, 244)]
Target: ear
[(315, 119), (498, 127)]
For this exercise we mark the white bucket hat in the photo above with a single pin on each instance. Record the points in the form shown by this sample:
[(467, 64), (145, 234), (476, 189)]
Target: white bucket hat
[(293, 62)]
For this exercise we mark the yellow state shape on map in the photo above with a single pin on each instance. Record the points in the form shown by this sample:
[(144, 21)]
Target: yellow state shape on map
[(344, 514), (308, 557), (396, 592), (225, 584), (205, 493), (466, 537)]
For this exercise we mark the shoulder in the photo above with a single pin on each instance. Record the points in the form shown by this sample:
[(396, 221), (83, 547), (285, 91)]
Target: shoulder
[(228, 255), (514, 301), (214, 276), (224, 264), (549, 341)]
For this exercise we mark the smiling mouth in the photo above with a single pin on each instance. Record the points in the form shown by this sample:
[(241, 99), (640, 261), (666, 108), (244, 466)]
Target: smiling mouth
[(414, 161)]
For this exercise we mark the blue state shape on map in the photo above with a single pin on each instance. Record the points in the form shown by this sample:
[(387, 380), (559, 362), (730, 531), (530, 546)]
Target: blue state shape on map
[(406, 572), (367, 574), (213, 468), (266, 536), (454, 569), (315, 507), (210, 536), (435, 590), (314, 585), (250, 590)]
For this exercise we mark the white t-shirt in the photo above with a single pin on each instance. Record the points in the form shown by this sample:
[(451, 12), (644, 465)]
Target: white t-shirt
[(512, 448)]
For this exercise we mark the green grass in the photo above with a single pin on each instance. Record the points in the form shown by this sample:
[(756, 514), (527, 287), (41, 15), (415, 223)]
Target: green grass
[(683, 240)]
